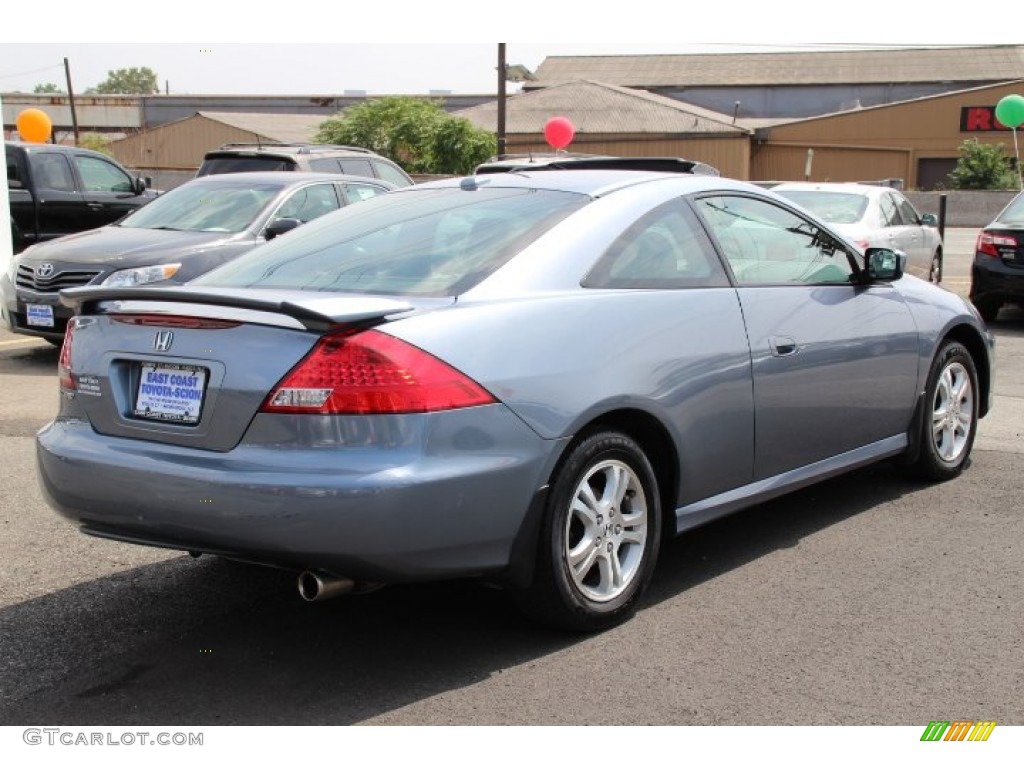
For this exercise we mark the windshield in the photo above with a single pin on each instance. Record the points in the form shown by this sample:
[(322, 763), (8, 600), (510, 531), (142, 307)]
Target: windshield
[(1014, 212), (211, 206), (833, 207), (421, 242)]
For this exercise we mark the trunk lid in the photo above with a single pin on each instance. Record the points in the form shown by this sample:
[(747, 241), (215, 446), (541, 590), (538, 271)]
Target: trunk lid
[(192, 367)]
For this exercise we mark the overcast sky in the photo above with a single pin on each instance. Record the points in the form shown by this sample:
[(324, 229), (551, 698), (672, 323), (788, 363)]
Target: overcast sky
[(304, 51)]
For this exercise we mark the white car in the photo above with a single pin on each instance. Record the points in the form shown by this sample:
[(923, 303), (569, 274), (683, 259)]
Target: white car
[(876, 217)]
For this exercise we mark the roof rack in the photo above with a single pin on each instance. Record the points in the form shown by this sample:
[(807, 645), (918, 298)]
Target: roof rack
[(304, 148)]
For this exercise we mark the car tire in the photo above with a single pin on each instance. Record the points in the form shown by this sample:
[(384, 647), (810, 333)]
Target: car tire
[(935, 270), (987, 308), (950, 414), (599, 537)]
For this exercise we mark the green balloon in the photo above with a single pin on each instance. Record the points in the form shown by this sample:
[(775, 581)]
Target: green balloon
[(1010, 110)]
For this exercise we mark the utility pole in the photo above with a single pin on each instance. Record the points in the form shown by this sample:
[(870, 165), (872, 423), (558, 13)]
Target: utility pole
[(71, 99), (502, 73)]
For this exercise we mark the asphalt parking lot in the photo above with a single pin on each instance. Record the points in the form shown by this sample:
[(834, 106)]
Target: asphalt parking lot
[(866, 600)]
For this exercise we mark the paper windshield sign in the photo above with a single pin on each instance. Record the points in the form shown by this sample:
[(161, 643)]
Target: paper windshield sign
[(169, 392)]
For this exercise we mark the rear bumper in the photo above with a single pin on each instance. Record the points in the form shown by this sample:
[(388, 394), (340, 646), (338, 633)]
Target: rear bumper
[(994, 280), (448, 499)]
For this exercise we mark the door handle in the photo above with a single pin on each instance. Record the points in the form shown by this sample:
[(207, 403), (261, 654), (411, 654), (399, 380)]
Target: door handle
[(783, 346), (95, 206)]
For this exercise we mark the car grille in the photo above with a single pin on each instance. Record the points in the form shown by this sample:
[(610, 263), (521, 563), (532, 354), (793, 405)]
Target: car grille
[(58, 280)]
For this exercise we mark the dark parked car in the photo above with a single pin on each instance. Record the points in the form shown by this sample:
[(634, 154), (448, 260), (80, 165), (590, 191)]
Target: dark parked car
[(322, 158), (997, 275), (55, 190), (182, 234), (526, 377)]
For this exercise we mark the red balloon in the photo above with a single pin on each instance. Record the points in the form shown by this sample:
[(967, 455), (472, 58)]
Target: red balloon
[(559, 132)]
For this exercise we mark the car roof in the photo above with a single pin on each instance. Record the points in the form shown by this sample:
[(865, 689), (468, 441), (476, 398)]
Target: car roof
[(291, 148), (47, 147), (288, 178), (853, 188), (588, 182)]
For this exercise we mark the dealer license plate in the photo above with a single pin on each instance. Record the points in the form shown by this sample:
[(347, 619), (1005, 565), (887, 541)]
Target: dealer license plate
[(169, 392), (39, 315)]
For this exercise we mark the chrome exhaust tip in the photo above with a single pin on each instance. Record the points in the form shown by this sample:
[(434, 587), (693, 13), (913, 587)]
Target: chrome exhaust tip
[(320, 585)]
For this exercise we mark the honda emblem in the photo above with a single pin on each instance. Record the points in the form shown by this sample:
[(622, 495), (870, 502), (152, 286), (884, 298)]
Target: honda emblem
[(163, 340)]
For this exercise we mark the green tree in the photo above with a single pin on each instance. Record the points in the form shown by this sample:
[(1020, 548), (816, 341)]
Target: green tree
[(131, 80), (416, 133), (982, 166), (47, 88)]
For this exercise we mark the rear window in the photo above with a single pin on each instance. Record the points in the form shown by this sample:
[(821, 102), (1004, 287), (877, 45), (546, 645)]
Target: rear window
[(424, 242), (1014, 212), (242, 164), (833, 207)]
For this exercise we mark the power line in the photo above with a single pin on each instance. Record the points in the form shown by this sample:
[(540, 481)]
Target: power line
[(31, 72)]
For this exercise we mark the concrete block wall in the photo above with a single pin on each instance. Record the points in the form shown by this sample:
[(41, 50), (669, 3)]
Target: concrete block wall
[(964, 208)]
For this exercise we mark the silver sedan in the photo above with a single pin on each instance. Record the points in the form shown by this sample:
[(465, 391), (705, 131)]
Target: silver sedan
[(874, 216)]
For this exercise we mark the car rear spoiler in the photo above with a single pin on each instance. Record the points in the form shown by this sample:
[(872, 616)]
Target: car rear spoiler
[(313, 312)]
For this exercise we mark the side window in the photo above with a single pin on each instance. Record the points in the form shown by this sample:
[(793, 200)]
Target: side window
[(14, 180), (907, 211), (889, 213), (765, 244), (356, 192), (101, 176), (324, 165), (52, 171), (357, 167), (309, 203), (389, 173), (665, 249)]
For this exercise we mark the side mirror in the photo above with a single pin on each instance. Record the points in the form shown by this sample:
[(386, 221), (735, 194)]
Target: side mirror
[(929, 220), (139, 185), (884, 264), (279, 227)]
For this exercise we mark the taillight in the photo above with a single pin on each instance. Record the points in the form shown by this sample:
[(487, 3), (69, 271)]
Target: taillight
[(64, 374), (363, 372), (989, 243)]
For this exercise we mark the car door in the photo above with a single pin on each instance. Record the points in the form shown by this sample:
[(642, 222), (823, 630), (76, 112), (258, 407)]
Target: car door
[(924, 239), (108, 191), (60, 206), (901, 235), (309, 202), (834, 361)]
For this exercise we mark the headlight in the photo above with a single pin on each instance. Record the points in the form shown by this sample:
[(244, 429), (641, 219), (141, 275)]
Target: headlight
[(142, 275)]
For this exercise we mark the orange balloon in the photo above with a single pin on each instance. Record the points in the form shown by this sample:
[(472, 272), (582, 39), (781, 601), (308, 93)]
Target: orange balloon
[(34, 125)]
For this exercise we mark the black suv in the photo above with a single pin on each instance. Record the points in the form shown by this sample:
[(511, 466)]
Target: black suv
[(323, 158)]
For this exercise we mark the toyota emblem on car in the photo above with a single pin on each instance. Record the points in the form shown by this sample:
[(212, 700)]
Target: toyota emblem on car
[(44, 270)]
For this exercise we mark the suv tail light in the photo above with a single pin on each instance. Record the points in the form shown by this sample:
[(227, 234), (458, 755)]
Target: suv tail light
[(365, 372), (989, 244)]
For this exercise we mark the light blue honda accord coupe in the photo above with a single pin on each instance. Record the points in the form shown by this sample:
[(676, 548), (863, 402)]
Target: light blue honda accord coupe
[(529, 377)]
